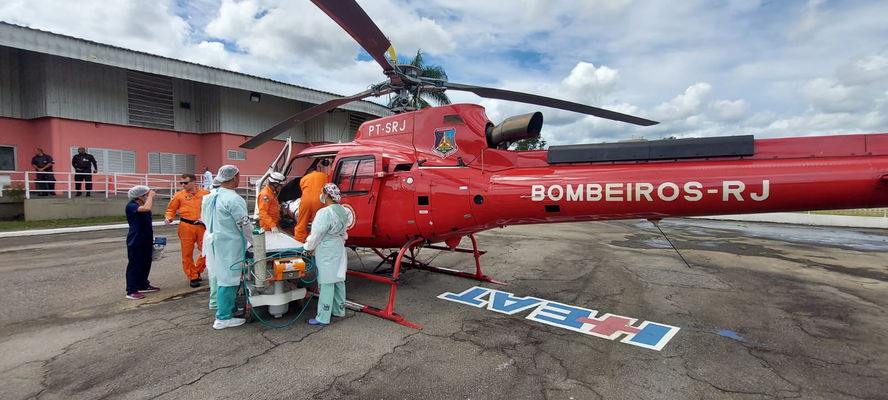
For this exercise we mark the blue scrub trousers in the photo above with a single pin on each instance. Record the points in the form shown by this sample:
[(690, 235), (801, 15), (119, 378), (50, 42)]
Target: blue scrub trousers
[(331, 301), (226, 296), (138, 268)]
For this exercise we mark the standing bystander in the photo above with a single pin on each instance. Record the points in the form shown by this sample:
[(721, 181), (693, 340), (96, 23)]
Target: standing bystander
[(82, 171), (43, 163), (139, 242), (207, 179), (191, 230)]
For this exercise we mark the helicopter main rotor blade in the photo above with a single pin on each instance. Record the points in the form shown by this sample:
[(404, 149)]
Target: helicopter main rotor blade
[(297, 119), (351, 17), (501, 94)]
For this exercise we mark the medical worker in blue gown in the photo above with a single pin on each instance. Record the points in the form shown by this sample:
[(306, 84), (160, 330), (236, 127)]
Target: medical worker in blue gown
[(230, 232), (327, 242)]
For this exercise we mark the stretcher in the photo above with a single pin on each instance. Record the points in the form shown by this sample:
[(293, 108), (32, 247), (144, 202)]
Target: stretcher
[(279, 274)]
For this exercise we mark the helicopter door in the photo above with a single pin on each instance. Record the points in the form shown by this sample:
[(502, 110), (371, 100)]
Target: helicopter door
[(355, 177), (448, 207)]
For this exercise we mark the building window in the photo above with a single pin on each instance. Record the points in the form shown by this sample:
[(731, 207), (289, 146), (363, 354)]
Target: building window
[(354, 176), (7, 158), (237, 155), (171, 163), (111, 161), (150, 100)]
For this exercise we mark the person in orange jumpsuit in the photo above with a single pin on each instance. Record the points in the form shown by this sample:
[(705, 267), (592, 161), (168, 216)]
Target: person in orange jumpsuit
[(312, 185), (191, 230), (267, 203)]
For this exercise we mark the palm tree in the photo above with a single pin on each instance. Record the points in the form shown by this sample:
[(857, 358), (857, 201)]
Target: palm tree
[(537, 143), (428, 71)]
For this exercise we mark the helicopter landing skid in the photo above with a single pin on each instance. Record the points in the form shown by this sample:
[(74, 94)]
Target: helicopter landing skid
[(398, 260)]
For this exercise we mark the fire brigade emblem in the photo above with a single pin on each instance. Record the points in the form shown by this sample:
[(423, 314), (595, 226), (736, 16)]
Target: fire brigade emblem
[(445, 142), (349, 216)]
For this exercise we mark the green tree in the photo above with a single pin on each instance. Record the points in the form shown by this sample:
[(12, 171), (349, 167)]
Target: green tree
[(537, 143), (428, 71)]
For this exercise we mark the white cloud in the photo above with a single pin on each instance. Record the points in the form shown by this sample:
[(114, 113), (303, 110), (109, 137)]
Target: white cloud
[(137, 25), (870, 69), (812, 20), (213, 53), (587, 84), (727, 110), (745, 66), (684, 105), (233, 20), (761, 118), (831, 123), (831, 96)]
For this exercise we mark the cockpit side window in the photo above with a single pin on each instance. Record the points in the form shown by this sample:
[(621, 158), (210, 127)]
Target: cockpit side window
[(354, 175)]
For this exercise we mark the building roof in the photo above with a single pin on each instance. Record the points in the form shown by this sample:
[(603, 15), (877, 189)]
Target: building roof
[(54, 44)]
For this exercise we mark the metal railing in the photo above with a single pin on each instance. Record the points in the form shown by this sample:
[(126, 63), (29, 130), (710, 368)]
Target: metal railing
[(166, 185), (106, 185)]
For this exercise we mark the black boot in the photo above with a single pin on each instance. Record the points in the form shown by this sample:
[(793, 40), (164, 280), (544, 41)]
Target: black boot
[(194, 283)]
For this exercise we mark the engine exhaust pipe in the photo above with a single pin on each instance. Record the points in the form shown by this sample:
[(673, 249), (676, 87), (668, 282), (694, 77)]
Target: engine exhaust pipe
[(514, 129)]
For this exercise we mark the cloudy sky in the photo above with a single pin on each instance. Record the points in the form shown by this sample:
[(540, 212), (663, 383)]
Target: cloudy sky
[(772, 68)]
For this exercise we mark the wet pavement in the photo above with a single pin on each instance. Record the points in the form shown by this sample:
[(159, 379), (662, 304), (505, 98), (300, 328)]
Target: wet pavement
[(762, 311)]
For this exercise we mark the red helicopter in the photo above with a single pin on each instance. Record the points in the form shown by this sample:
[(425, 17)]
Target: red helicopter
[(430, 177)]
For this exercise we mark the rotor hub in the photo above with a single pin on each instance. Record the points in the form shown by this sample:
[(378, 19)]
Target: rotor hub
[(410, 70)]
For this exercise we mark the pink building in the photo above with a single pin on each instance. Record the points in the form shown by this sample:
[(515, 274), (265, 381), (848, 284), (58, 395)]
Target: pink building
[(144, 114)]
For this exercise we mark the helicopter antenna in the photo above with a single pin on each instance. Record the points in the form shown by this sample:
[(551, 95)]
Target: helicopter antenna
[(656, 223), (344, 129)]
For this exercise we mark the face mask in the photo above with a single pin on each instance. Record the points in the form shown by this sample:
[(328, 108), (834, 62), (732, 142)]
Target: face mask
[(322, 200)]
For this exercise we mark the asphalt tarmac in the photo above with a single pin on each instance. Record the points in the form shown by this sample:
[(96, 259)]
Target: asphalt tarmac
[(760, 311)]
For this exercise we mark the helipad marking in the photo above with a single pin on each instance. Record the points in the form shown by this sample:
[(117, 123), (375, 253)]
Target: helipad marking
[(650, 335)]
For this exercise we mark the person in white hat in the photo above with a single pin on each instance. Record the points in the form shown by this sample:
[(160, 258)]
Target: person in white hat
[(139, 242), (327, 241), (229, 233), (267, 203)]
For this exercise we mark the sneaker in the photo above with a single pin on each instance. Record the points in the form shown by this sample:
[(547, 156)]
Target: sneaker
[(238, 314), (150, 289), (315, 322), (135, 296), (228, 323), (194, 283)]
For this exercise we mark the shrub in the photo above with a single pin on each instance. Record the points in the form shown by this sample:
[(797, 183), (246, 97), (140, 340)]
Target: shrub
[(17, 193)]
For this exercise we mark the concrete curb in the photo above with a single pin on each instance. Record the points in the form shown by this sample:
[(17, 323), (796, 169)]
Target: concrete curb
[(74, 229)]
